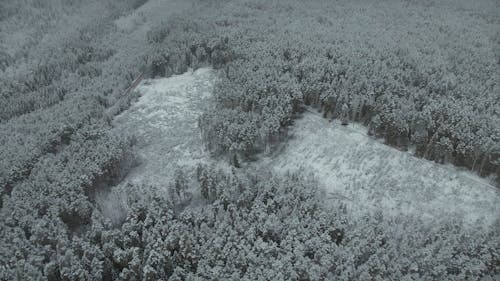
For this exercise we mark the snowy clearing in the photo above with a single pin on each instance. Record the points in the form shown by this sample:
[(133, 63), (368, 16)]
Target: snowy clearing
[(165, 123), (368, 175)]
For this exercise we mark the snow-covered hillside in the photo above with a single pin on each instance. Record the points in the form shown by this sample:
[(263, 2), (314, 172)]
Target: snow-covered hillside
[(368, 175)]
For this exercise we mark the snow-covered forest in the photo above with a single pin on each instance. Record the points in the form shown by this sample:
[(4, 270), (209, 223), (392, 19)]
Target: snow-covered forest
[(249, 140)]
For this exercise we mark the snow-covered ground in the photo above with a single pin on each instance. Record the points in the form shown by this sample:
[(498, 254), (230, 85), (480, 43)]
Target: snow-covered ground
[(367, 175), (165, 123)]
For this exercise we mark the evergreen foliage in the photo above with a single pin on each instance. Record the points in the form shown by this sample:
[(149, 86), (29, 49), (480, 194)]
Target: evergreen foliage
[(421, 74), (249, 226)]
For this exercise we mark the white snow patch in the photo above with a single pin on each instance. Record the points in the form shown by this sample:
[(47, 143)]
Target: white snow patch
[(164, 120), (368, 175)]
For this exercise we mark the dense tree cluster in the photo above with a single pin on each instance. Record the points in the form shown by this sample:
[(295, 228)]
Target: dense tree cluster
[(244, 226), (60, 79), (67, 76), (424, 76), (55, 203), (63, 53)]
